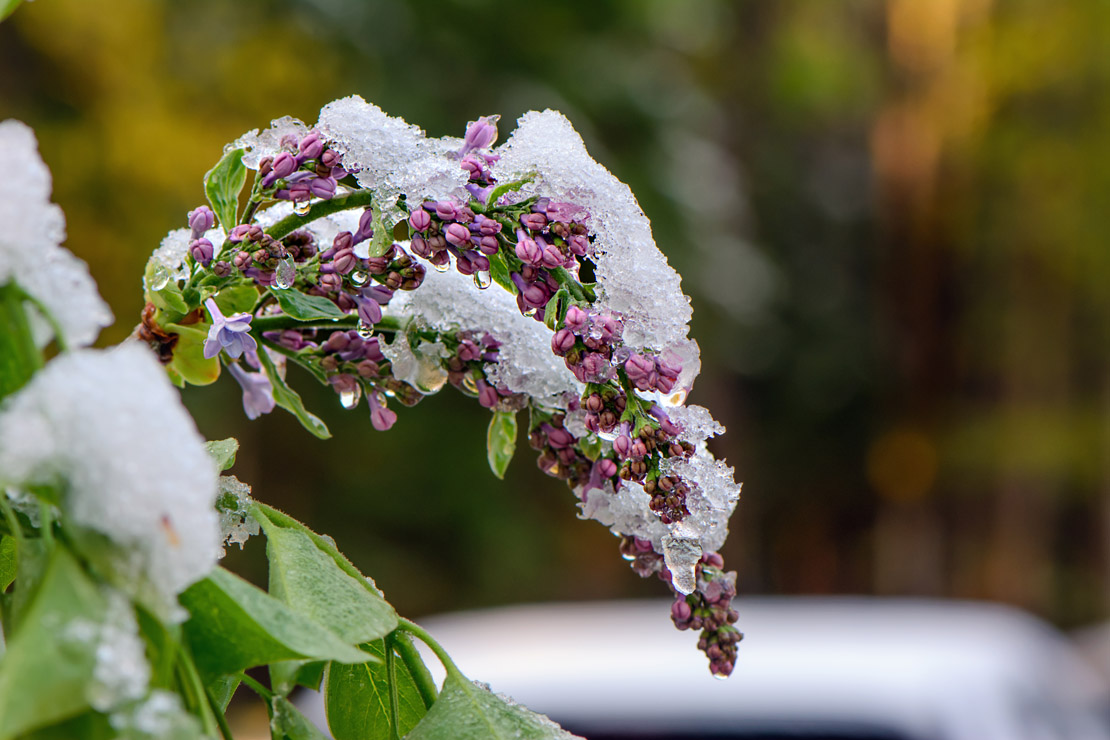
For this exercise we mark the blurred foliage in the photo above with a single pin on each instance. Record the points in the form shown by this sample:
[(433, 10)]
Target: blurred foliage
[(889, 216)]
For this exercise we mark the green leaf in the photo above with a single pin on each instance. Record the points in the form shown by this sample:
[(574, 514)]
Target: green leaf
[(44, 673), (465, 711), (551, 311), (223, 688), (310, 582), (501, 441), (222, 184), (291, 401), (287, 723), (237, 299), (288, 674), (91, 725), (591, 446), (499, 271), (222, 452), (7, 6), (500, 190), (171, 300), (306, 307), (235, 625), (356, 698), (9, 561), (189, 361), (19, 357)]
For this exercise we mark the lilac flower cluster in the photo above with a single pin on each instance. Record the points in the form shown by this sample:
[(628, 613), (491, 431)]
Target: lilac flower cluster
[(305, 169), (709, 609)]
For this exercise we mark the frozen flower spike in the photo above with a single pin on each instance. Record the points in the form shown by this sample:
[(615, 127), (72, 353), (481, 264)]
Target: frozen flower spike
[(31, 232), (109, 428)]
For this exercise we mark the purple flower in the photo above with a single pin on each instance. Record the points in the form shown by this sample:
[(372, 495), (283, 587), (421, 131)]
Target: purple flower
[(420, 220), (487, 394), (365, 227), (201, 220), (479, 134), (201, 251), (258, 393), (458, 235), (380, 415), (562, 341), (311, 146), (527, 249), (534, 221), (230, 334), (238, 233), (322, 187), (445, 210), (576, 319), (370, 301), (641, 371)]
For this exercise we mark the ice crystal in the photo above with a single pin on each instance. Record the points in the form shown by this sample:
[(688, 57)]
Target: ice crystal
[(681, 555), (168, 260), (391, 157), (233, 501), (109, 428), (696, 422), (625, 512), (633, 275), (32, 230), (269, 141), (451, 301), (711, 500)]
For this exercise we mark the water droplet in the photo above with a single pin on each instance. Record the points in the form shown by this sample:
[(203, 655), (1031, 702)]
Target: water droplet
[(720, 676), (286, 274), (358, 277), (628, 556), (349, 399), (364, 330), (530, 311), (553, 470), (442, 268), (160, 277), (390, 393), (469, 383), (301, 207), (482, 279), (430, 375), (609, 436)]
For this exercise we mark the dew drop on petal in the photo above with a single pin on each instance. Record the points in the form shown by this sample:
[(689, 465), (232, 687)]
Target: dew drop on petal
[(482, 279), (301, 207), (286, 274), (530, 311), (442, 267), (358, 277), (469, 384), (364, 330)]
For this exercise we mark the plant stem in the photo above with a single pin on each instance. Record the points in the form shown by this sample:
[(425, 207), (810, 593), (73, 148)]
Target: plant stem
[(278, 323), (419, 632), (221, 719), (257, 688), (196, 688), (12, 521), (391, 671), (359, 198), (425, 684)]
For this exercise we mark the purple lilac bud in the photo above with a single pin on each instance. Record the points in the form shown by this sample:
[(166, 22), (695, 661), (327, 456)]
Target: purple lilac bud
[(534, 221), (488, 245), (557, 437), (458, 235), (228, 333), (576, 320), (606, 467), (468, 351), (565, 212), (532, 295), (487, 394), (562, 341), (681, 612), (578, 244), (290, 338), (201, 220), (480, 134), (420, 220), (365, 227), (470, 262), (238, 233), (284, 165), (201, 251), (640, 370), (487, 226), (527, 249), (473, 167), (482, 195), (669, 427), (552, 257), (369, 310), (258, 393), (445, 209), (322, 187), (380, 415), (311, 146), (344, 383)]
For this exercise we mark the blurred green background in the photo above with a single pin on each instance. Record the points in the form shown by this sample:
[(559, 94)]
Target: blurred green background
[(890, 217)]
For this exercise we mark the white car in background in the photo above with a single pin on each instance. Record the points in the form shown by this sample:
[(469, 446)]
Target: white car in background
[(835, 668)]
